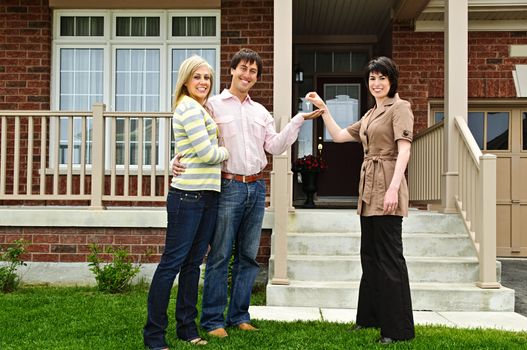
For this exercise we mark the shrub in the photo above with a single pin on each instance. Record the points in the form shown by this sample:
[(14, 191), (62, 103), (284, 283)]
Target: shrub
[(9, 280), (115, 276)]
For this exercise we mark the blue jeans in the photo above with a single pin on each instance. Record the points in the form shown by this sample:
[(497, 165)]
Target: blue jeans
[(191, 219), (241, 208)]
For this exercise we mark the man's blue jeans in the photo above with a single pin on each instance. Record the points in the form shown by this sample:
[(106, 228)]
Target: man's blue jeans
[(241, 209), (191, 219)]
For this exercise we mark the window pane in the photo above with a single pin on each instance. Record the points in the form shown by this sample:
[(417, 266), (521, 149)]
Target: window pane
[(324, 62), (524, 131), (82, 26), (97, 26), (194, 26), (179, 26), (307, 62), (209, 26), (67, 26), (152, 26), (358, 61), (497, 131), (342, 62), (438, 116), (476, 126), (81, 78), (138, 26), (136, 83), (123, 26)]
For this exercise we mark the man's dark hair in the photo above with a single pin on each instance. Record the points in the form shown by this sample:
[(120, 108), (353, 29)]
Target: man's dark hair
[(247, 55), (386, 67)]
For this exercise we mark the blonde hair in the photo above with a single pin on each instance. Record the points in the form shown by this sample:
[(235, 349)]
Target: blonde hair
[(186, 70)]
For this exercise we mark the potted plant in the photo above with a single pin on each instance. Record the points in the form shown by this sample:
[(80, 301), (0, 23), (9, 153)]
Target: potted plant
[(309, 167)]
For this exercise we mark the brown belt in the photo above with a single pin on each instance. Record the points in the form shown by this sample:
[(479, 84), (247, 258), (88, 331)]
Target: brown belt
[(242, 178)]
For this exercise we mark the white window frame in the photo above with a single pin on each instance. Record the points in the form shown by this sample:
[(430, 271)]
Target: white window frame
[(110, 42)]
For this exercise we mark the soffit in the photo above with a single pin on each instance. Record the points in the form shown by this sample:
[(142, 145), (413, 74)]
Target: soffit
[(481, 10)]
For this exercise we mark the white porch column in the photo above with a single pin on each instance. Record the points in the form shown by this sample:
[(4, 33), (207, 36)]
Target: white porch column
[(281, 176), (456, 94)]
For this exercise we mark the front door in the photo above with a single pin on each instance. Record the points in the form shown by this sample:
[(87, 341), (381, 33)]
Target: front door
[(347, 100)]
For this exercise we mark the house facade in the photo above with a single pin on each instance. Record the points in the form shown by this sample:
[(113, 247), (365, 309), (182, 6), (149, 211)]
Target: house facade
[(85, 101)]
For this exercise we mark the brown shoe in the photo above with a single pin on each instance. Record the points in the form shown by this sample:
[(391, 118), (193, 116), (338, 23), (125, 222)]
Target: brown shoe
[(247, 327), (218, 333)]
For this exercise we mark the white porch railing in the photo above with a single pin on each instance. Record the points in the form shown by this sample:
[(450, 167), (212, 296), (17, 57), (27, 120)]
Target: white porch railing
[(31, 169), (476, 198)]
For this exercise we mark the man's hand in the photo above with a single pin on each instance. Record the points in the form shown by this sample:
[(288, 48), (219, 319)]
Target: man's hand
[(312, 115), (177, 167)]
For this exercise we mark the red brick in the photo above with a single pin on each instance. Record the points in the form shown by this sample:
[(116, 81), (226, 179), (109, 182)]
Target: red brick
[(38, 248), (45, 257), (76, 239), (153, 239), (72, 258), (127, 240)]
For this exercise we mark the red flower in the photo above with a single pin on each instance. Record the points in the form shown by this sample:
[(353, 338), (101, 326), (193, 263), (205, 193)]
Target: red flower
[(309, 163)]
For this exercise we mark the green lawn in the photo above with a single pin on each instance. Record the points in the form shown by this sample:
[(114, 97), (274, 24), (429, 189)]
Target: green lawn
[(81, 318)]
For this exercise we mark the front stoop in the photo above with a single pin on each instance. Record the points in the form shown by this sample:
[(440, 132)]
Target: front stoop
[(324, 263)]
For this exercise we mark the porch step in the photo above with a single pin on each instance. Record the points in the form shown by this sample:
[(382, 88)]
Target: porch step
[(347, 220), (425, 296), (348, 268), (415, 244), (324, 268)]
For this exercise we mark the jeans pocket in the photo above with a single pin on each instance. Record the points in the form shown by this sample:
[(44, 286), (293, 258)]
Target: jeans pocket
[(190, 196)]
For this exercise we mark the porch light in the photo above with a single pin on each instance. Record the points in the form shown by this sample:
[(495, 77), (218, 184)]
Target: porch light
[(299, 74)]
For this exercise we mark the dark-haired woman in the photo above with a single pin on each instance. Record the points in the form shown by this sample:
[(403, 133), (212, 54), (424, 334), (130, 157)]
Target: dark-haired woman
[(385, 132)]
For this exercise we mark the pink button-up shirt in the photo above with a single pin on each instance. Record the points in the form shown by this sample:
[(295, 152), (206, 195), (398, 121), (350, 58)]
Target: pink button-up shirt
[(247, 130)]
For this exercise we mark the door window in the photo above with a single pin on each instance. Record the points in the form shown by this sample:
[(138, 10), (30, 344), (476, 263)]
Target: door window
[(343, 101)]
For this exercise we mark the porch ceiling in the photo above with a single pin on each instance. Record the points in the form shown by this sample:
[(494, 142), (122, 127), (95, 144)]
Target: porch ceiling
[(341, 17)]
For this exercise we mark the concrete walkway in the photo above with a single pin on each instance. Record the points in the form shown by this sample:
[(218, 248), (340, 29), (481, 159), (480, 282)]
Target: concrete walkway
[(509, 321)]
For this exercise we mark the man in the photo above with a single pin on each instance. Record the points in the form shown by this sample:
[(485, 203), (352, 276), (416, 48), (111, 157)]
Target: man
[(247, 130)]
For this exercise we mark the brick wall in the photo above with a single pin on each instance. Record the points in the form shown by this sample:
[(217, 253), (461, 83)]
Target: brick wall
[(248, 23), (25, 54), (71, 244), (420, 59)]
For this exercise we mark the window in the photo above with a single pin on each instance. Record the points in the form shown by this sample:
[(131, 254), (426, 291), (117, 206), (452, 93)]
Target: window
[(129, 60), (489, 128)]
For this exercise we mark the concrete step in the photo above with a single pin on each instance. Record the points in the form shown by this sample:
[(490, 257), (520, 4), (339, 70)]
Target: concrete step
[(348, 268), (425, 296), (415, 244), (347, 220)]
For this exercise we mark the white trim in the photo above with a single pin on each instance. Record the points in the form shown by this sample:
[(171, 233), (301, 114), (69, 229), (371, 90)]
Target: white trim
[(146, 217), (474, 25), (520, 79), (518, 51)]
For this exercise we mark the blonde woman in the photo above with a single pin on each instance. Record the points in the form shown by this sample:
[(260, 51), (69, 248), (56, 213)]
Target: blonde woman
[(192, 207)]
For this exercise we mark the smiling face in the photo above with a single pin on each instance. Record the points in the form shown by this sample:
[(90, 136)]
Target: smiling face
[(243, 78), (199, 84), (379, 86)]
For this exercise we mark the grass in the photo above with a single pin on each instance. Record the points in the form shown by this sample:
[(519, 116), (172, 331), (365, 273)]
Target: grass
[(82, 318)]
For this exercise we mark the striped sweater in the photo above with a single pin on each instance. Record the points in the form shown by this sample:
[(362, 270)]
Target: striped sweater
[(195, 133)]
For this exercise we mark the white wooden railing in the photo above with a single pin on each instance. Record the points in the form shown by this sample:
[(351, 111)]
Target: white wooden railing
[(31, 171), (476, 197)]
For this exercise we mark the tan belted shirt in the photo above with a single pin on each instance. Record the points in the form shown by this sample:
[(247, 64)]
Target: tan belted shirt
[(379, 130)]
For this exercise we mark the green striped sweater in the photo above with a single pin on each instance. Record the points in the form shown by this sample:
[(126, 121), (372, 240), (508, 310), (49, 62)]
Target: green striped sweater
[(195, 133)]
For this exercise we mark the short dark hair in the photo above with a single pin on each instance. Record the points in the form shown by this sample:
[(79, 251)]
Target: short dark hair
[(386, 67), (247, 55)]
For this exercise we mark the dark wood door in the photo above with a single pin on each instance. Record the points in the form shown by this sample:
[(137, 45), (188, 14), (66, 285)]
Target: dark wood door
[(344, 159)]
